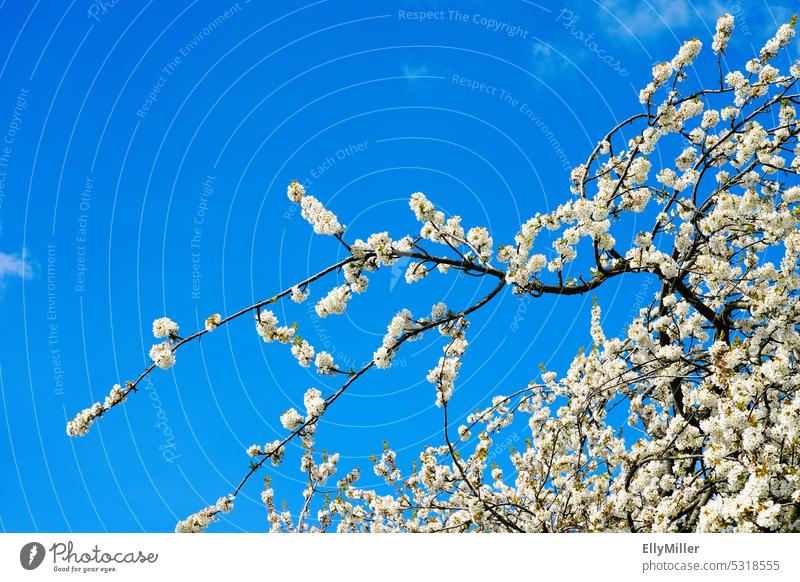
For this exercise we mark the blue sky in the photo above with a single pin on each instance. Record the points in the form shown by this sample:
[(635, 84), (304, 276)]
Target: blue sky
[(146, 151)]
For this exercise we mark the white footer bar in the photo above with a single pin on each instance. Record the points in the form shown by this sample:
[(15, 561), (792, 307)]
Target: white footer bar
[(353, 557)]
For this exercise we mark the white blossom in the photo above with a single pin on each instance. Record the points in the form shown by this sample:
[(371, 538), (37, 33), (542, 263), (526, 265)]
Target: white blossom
[(324, 221), (416, 271), (480, 240), (314, 403), (267, 327), (295, 191), (687, 53), (79, 425), (335, 302), (291, 419), (165, 327), (723, 33), (213, 322), (303, 352), (299, 295), (162, 355), (324, 364)]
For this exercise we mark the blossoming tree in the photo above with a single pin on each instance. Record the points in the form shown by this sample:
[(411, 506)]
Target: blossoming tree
[(707, 374)]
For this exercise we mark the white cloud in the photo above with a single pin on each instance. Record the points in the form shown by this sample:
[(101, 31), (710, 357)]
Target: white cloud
[(416, 71), (14, 265), (541, 50), (652, 18), (417, 75), (655, 17), (547, 59)]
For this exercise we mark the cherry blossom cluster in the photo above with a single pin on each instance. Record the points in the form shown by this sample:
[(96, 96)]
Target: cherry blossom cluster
[(79, 425), (321, 219), (198, 522)]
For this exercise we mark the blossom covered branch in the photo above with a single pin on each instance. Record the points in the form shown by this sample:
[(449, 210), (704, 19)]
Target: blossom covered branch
[(706, 376)]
